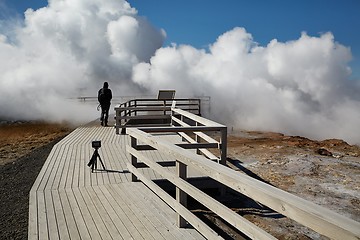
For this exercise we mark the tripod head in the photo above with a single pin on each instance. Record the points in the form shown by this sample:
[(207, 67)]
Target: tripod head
[(96, 144)]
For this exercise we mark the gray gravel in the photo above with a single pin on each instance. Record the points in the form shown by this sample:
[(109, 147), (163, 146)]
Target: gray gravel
[(16, 180)]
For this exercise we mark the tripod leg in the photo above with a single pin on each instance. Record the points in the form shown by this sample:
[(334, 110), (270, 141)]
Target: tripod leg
[(101, 162), (92, 162), (95, 163)]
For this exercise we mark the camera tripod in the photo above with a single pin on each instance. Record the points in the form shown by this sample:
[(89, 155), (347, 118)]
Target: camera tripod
[(93, 161)]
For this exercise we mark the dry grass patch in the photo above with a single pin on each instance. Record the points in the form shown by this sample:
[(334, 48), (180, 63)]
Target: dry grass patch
[(18, 139)]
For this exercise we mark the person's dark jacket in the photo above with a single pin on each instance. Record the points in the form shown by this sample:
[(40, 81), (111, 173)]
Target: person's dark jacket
[(104, 96)]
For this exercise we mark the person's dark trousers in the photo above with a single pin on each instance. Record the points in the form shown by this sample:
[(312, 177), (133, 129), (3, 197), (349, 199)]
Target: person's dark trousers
[(104, 114)]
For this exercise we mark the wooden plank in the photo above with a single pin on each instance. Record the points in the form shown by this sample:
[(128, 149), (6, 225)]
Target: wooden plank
[(130, 208), (69, 217), (66, 159), (112, 193), (145, 108), (83, 165), (120, 163), (98, 202), (136, 209), (61, 160), (66, 140), (145, 117), (48, 171), (108, 202), (60, 217), (108, 176), (134, 226), (136, 125), (110, 163), (196, 118), (197, 145), (33, 216), (51, 219), (153, 213), (182, 145), (165, 214), (305, 212), (80, 223), (42, 217), (190, 217), (85, 212), (71, 169), (115, 218), (87, 173), (144, 201), (44, 168), (77, 166), (180, 129), (181, 196), (95, 214)]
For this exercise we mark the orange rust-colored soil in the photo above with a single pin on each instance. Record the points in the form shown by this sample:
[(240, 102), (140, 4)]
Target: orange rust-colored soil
[(19, 139)]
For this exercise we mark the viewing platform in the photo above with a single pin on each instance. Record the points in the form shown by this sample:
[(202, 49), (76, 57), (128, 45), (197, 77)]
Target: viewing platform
[(126, 201)]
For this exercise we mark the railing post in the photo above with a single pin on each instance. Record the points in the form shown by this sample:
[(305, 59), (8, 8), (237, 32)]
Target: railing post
[(182, 119), (133, 158), (181, 196), (164, 105), (199, 107), (123, 120), (223, 153), (223, 143), (117, 119), (197, 139), (171, 117)]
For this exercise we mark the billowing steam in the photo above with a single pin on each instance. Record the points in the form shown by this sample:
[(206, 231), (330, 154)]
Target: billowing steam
[(299, 87), (70, 47)]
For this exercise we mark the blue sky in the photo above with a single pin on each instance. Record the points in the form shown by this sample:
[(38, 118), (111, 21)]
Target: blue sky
[(200, 22)]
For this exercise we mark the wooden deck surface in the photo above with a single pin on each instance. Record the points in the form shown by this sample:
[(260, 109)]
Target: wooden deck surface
[(67, 201)]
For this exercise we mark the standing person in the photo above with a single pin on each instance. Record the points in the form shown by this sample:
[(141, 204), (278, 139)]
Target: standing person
[(104, 98)]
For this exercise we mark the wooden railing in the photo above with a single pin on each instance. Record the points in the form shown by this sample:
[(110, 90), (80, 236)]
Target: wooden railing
[(151, 112), (318, 218)]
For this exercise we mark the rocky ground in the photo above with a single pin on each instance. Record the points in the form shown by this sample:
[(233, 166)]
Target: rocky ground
[(325, 172)]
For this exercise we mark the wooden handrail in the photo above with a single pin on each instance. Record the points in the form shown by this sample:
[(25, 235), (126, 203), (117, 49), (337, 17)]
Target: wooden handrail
[(320, 219), (137, 109), (198, 119)]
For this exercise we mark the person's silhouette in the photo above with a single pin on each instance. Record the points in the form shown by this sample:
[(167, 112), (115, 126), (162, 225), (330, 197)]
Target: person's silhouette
[(104, 98)]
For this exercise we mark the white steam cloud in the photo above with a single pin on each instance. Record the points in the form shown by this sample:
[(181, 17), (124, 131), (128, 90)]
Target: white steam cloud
[(70, 47), (299, 87)]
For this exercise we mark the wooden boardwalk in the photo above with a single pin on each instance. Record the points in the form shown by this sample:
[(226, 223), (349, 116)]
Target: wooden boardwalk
[(67, 201)]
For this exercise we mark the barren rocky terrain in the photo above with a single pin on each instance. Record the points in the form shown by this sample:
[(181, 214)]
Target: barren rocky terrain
[(325, 172), (24, 147)]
